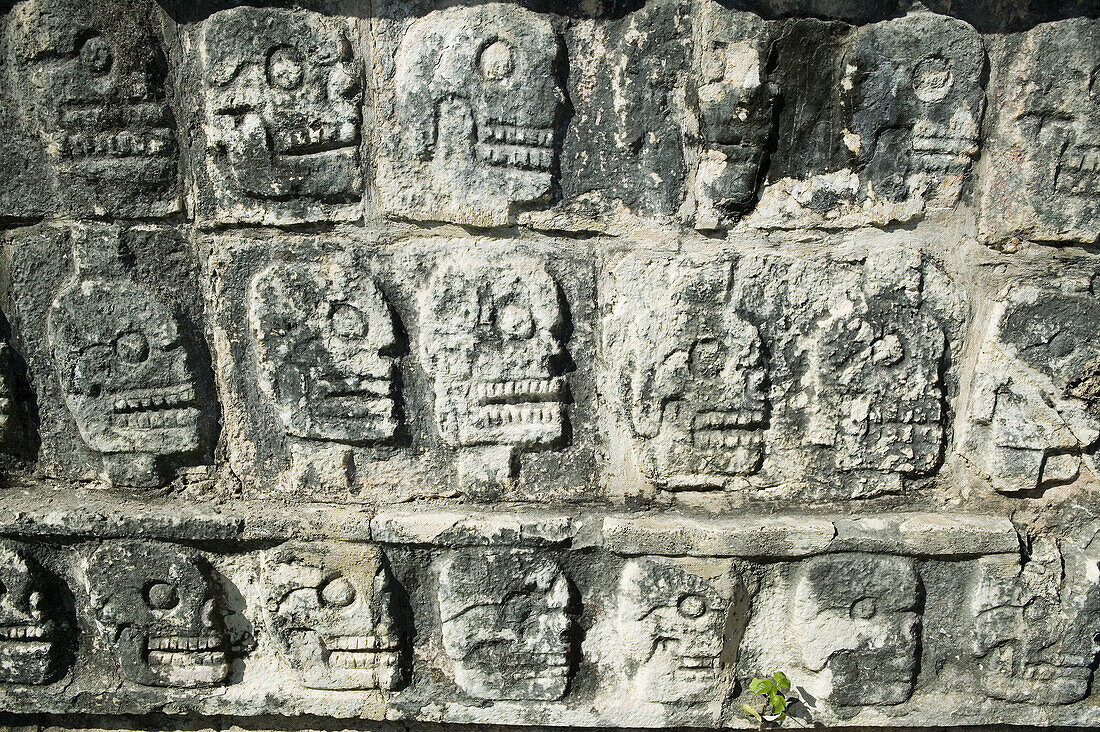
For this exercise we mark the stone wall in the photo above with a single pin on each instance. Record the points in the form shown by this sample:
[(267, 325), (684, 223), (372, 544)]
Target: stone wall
[(556, 364)]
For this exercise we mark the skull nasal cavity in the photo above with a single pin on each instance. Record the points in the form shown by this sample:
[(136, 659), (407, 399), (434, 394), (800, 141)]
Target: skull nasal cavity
[(496, 60)]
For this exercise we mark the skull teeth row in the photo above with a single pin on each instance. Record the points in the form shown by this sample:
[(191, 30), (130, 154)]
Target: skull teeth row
[(289, 139), (500, 415), (150, 143), (516, 135), (23, 632), (185, 643), (357, 643), (705, 420), (149, 399), (733, 438), (487, 392), (158, 419), (516, 156), (175, 658), (383, 663)]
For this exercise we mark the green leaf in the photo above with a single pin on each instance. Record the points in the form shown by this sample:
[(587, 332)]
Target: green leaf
[(781, 680), (763, 687), (751, 712), (777, 702)]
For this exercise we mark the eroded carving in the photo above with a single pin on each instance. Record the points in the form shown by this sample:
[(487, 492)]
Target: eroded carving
[(876, 363), (122, 366), (1035, 407), (1035, 635), (330, 608), (92, 80), (737, 107), (7, 404), (508, 623), (480, 105), (679, 622), (325, 339), (1044, 176), (858, 624), (692, 376), (916, 103), (155, 605), (29, 642), (491, 340), (283, 123)]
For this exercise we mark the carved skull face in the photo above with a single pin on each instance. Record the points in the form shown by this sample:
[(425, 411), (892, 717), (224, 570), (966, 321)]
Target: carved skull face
[(674, 618), (877, 376), (856, 614), (737, 107), (478, 93), (1060, 114), (1034, 645), (506, 623), (28, 629), (94, 83), (1044, 413), (156, 606), (914, 87), (118, 354), (282, 105), (491, 340), (324, 336), (330, 609)]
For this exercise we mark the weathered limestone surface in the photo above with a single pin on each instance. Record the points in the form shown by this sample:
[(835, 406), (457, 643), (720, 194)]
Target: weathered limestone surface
[(549, 365)]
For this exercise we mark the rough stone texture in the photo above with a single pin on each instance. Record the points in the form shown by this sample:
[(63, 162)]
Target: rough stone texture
[(548, 365)]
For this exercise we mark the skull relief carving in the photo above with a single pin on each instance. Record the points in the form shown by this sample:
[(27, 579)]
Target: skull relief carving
[(491, 341), (94, 86), (675, 618), (283, 124), (121, 364), (1035, 637), (28, 627), (694, 377), (330, 608), (916, 100), (480, 102), (1035, 411), (324, 338), (155, 605), (857, 615), (507, 623)]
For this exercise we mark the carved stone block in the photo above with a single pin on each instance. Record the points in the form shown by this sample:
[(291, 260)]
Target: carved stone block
[(857, 617), (325, 339), (491, 339), (479, 109), (30, 646), (1035, 634), (1033, 410), (692, 377), (7, 404), (91, 82), (679, 621), (122, 365), (508, 625), (155, 604), (1041, 181), (283, 126), (330, 608)]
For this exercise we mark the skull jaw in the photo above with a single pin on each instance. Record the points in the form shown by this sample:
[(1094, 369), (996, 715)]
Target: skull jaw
[(190, 671), (373, 421), (671, 676), (319, 665), (521, 677), (866, 677), (28, 662), (681, 465)]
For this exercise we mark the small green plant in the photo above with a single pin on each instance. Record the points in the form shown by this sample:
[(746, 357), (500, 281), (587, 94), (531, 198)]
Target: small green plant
[(775, 696)]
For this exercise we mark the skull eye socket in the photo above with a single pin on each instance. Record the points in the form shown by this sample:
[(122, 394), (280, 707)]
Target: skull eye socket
[(497, 61), (864, 608), (339, 591), (96, 55), (285, 69), (932, 79), (349, 322), (515, 321), (162, 596), (708, 357), (132, 347), (692, 606)]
